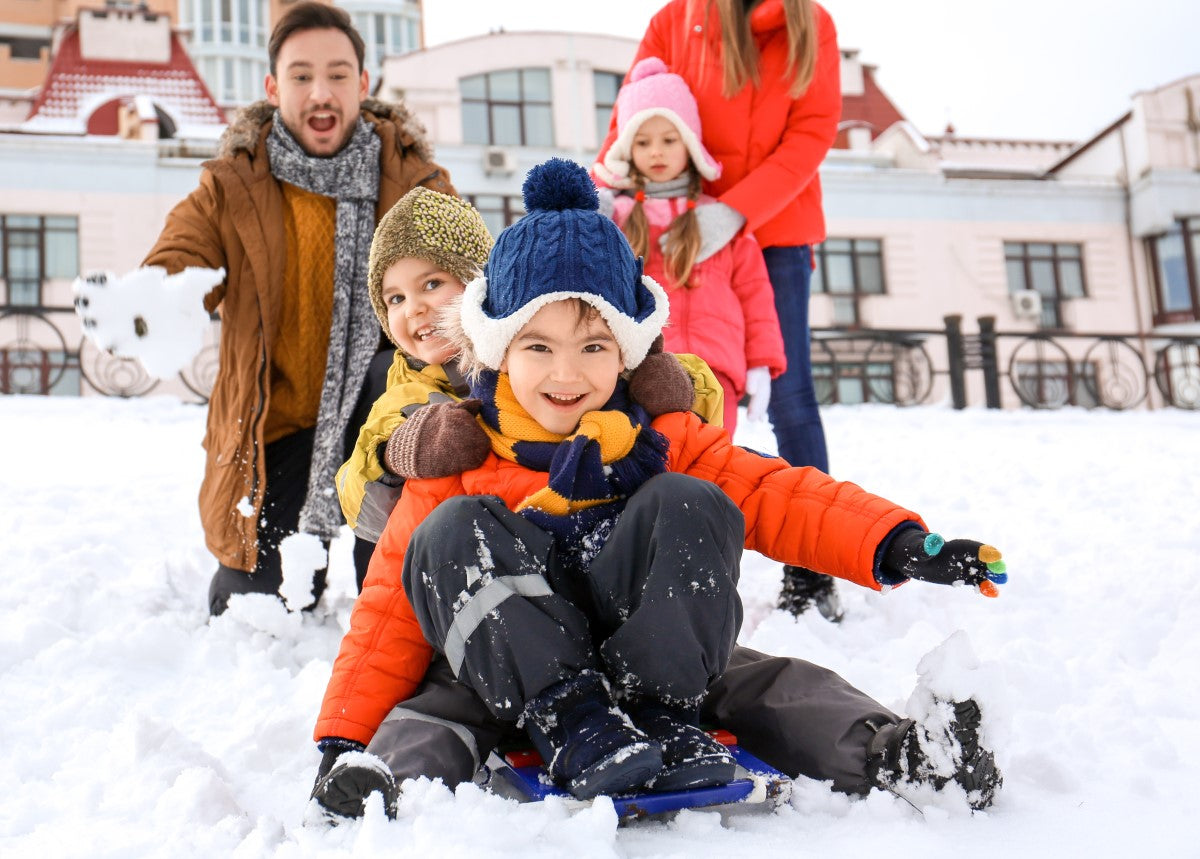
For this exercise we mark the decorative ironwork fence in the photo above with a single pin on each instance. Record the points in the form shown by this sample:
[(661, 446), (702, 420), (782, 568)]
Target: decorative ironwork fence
[(1041, 370)]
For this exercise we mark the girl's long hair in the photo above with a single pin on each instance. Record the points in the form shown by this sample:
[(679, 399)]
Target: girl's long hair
[(740, 54), (682, 242)]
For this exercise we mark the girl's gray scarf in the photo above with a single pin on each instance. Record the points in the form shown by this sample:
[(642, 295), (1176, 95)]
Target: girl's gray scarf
[(352, 178)]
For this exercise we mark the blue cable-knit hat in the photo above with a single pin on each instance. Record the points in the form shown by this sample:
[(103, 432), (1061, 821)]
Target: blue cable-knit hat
[(563, 248)]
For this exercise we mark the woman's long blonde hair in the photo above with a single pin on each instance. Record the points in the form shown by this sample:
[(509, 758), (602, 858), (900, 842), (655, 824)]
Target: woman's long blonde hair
[(682, 243), (740, 54)]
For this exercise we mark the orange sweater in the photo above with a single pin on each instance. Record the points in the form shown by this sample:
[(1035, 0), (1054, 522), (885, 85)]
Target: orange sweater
[(795, 515), (305, 313)]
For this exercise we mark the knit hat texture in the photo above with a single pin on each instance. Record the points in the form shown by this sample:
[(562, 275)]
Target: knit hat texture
[(427, 225), (654, 91), (563, 248)]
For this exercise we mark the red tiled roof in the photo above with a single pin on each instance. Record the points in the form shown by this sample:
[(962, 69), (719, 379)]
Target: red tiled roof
[(872, 109), (75, 87)]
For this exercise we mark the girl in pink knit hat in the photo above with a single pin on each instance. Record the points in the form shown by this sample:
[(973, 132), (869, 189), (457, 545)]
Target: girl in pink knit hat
[(722, 306)]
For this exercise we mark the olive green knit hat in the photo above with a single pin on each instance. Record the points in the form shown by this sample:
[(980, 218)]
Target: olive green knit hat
[(428, 225)]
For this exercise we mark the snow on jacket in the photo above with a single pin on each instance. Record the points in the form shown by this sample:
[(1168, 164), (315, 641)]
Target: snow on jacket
[(368, 492), (235, 220), (727, 315), (795, 515), (769, 144)]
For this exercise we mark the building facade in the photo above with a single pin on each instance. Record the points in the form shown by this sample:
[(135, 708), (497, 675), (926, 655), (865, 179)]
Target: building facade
[(1036, 248)]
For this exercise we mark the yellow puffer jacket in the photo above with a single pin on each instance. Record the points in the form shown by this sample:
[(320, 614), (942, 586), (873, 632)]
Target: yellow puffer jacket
[(368, 491)]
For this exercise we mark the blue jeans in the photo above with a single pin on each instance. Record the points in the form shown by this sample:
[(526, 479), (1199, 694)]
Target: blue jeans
[(793, 409)]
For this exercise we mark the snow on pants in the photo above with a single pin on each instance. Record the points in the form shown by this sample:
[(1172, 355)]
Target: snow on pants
[(798, 717), (657, 610)]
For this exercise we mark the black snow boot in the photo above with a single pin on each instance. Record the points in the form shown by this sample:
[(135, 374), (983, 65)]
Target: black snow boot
[(908, 754), (803, 589), (589, 745), (353, 777), (690, 757)]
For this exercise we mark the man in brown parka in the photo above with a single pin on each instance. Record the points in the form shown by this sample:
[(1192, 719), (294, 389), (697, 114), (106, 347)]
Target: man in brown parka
[(288, 208)]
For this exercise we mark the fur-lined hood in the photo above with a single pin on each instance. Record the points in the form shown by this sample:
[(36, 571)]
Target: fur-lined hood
[(244, 132)]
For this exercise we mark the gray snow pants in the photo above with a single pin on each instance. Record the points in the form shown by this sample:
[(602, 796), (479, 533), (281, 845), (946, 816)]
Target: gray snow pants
[(798, 717), (657, 609)]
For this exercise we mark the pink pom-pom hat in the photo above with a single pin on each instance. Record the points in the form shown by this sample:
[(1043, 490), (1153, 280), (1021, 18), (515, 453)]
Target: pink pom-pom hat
[(654, 91)]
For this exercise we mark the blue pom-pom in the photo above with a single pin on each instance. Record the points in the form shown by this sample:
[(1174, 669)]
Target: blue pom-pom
[(933, 544), (559, 184)]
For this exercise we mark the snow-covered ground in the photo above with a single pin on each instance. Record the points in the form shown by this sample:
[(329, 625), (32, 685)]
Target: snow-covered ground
[(132, 726)]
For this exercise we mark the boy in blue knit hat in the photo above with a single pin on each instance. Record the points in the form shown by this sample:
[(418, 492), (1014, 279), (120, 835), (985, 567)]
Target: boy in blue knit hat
[(582, 582)]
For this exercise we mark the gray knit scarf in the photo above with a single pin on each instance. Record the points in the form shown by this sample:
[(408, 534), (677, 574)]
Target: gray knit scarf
[(352, 178)]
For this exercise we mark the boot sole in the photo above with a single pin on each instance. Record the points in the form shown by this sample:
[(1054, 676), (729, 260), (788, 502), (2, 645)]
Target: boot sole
[(980, 779), (626, 769)]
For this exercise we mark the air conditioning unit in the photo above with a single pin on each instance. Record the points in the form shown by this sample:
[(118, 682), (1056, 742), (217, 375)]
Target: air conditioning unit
[(498, 161), (1027, 303)]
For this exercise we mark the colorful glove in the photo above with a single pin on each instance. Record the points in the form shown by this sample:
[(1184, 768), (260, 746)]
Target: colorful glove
[(660, 384), (438, 440), (758, 389), (915, 554)]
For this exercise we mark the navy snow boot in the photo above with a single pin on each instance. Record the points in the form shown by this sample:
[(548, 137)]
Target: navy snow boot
[(908, 754), (588, 744), (353, 777), (691, 758), (803, 589)]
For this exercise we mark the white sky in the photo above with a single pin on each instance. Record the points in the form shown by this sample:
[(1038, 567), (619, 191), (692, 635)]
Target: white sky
[(1041, 69)]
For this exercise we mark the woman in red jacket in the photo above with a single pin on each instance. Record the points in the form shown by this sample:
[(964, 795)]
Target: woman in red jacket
[(765, 74)]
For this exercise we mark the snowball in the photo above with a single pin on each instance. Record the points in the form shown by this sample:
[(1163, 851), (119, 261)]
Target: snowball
[(301, 555), (147, 314)]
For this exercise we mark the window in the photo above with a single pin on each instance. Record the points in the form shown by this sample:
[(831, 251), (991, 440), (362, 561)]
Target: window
[(36, 248), (1053, 270), (605, 85), (508, 108), (854, 382), (39, 371), (206, 21), (497, 211), (1174, 257), (1053, 384), (849, 269)]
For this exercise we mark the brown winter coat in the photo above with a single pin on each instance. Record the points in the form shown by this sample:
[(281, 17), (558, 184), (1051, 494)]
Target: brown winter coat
[(234, 220)]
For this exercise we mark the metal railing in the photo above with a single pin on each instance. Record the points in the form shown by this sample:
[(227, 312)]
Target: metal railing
[(1041, 370)]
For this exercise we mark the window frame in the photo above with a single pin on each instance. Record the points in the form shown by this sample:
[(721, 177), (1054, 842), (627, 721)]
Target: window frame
[(42, 273), (521, 104), (853, 298), (1188, 230), (1052, 305), (605, 106)]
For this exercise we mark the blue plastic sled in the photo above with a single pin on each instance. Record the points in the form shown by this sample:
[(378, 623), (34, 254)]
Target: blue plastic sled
[(755, 783)]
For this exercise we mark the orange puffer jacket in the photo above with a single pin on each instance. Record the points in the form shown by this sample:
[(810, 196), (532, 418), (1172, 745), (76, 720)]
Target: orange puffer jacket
[(768, 143), (794, 515)]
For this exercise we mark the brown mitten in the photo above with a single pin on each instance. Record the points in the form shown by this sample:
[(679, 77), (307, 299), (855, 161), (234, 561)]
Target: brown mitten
[(439, 440), (660, 384)]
